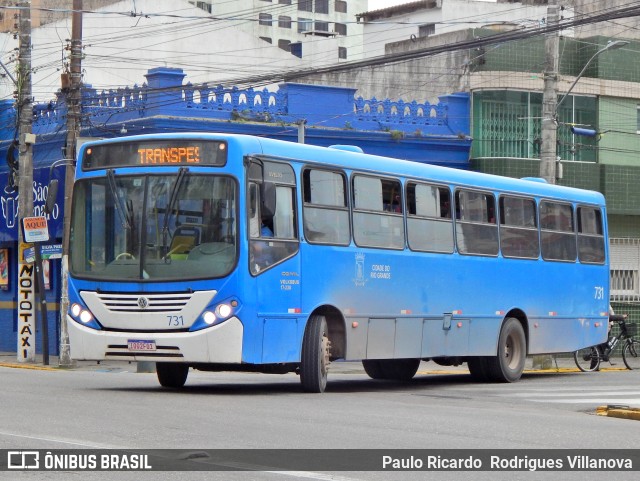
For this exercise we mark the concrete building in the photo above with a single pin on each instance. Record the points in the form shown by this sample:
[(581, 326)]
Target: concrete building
[(240, 41), (427, 18), (290, 24), (505, 81)]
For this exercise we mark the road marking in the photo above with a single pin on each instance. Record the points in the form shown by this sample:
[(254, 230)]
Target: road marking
[(603, 400), (61, 441), (576, 394)]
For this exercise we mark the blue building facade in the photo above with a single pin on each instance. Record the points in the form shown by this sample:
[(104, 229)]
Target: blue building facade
[(430, 133)]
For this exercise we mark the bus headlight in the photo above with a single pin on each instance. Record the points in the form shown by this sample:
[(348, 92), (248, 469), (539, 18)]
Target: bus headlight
[(216, 314), (209, 317), (223, 311), (79, 313)]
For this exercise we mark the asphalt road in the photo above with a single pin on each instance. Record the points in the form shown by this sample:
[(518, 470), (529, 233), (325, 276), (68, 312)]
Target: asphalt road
[(113, 407)]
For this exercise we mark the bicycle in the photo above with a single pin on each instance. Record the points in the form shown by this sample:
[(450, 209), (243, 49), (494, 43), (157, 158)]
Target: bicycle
[(589, 358)]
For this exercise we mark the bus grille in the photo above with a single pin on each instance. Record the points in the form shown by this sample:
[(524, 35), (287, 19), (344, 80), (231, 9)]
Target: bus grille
[(144, 302)]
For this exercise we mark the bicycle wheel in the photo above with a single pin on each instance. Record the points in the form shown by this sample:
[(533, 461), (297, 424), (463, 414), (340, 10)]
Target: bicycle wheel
[(587, 359), (631, 354)]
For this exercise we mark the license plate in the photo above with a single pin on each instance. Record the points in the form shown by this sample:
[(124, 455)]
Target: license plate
[(141, 345)]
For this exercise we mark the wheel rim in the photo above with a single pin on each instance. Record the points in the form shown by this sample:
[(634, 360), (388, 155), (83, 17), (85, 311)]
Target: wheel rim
[(512, 352), (324, 355)]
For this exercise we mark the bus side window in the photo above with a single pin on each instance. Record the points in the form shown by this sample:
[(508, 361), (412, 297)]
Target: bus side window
[(254, 211), (429, 225), (590, 235), (518, 228), (476, 228), (273, 235), (326, 215), (377, 213), (557, 233)]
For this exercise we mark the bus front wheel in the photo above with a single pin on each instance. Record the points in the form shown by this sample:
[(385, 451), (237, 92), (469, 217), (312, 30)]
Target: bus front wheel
[(508, 365), (172, 374), (316, 346)]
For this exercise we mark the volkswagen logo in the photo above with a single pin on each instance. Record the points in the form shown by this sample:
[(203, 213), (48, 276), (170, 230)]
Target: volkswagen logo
[(143, 302)]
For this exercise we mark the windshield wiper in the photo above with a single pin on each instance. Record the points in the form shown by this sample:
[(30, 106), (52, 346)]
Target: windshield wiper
[(173, 198), (119, 203)]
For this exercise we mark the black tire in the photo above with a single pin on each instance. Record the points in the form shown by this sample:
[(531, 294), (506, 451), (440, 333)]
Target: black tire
[(314, 364), (372, 368), (587, 359), (631, 354), (478, 368), (172, 374), (508, 365), (391, 369)]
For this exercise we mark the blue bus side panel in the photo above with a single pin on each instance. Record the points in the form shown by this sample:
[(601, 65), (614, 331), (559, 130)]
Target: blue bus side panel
[(279, 340), (452, 304)]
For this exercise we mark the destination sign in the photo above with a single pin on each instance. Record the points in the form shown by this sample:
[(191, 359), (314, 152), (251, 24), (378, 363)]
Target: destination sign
[(156, 152)]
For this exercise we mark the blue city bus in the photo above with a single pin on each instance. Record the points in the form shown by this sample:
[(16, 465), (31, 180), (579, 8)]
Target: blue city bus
[(226, 252)]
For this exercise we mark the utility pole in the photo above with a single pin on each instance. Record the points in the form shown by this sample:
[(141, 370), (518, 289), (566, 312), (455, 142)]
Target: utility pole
[(72, 81), (26, 351), (549, 127)]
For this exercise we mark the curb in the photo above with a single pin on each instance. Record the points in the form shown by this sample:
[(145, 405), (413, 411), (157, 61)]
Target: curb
[(34, 367), (616, 411)]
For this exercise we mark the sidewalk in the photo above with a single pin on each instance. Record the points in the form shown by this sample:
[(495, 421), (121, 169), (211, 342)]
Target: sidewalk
[(9, 359)]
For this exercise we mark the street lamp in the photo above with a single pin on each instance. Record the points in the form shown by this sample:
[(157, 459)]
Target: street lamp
[(611, 45), (550, 106)]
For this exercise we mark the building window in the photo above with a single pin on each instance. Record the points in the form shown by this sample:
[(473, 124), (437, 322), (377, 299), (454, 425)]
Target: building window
[(266, 39), (284, 22), (265, 19), (305, 5), (201, 5), (305, 25), (426, 30), (341, 6), (322, 26), (638, 118), (322, 6), (342, 52), (341, 29), (284, 2), (284, 45)]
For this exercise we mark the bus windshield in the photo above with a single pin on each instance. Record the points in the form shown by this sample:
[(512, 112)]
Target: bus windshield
[(153, 227)]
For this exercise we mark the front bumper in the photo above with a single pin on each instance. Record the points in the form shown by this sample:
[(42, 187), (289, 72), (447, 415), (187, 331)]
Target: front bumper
[(218, 344)]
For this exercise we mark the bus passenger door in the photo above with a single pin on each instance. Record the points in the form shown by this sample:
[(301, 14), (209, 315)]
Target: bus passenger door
[(274, 262)]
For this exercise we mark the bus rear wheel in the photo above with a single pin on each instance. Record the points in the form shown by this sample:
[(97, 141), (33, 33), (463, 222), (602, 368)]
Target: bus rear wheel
[(172, 374), (316, 349), (391, 369), (477, 368), (508, 365)]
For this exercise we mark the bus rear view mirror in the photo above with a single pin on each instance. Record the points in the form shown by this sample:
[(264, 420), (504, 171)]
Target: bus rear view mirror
[(52, 195), (268, 196)]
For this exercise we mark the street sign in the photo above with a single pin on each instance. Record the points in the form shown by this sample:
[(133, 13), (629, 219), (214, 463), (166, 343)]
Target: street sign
[(35, 229), (51, 251), (47, 251)]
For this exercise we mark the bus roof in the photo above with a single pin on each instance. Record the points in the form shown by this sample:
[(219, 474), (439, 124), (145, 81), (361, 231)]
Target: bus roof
[(353, 160)]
